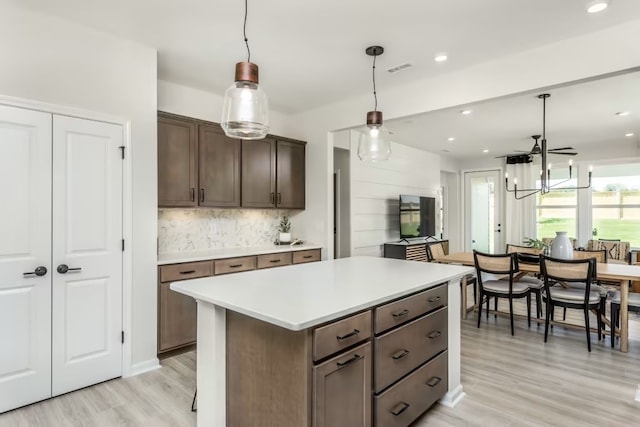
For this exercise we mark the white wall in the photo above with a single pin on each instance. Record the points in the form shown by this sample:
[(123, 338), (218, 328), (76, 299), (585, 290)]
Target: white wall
[(57, 62), (375, 188), (595, 54)]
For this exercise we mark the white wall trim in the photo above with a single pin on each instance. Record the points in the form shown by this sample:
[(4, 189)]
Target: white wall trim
[(146, 366), (127, 205)]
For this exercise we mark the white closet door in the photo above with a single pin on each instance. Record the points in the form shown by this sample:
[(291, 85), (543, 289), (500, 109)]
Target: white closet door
[(87, 233), (25, 244)]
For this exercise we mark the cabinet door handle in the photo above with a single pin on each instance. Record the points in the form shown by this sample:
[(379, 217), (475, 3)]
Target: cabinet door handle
[(275, 260), (349, 361), (279, 198), (188, 272), (307, 256), (235, 265), (434, 381), (193, 194), (435, 299), (434, 334), (400, 408), (273, 198), (400, 313), (202, 194), (349, 335), (399, 355)]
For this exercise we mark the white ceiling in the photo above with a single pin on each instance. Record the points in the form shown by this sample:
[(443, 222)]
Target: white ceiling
[(311, 53)]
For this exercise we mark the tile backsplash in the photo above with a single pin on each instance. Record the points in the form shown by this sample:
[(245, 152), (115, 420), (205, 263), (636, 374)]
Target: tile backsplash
[(186, 230)]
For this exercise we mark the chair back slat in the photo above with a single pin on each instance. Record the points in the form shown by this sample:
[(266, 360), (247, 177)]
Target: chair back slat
[(523, 249), (495, 264), (599, 255), (435, 250)]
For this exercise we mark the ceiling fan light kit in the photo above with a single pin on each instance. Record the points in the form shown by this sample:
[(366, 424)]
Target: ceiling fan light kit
[(374, 144), (545, 169), (245, 111)]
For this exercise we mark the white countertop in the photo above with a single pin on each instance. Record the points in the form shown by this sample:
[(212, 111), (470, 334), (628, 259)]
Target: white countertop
[(178, 257), (301, 296)]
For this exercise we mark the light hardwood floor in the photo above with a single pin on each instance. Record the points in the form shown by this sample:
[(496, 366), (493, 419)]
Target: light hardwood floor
[(509, 381)]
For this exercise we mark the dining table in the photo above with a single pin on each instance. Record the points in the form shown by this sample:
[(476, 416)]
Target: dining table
[(618, 273)]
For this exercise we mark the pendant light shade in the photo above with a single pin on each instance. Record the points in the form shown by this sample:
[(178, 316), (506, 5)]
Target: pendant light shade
[(245, 113), (374, 144)]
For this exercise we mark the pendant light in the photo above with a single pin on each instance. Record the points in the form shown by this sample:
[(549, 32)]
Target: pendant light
[(245, 112), (374, 142)]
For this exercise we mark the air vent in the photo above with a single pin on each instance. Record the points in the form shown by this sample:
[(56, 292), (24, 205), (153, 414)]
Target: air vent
[(399, 67)]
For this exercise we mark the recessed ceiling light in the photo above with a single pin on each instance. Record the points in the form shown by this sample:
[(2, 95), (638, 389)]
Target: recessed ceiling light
[(440, 57), (451, 139), (629, 134), (622, 113), (465, 112), (597, 6), (485, 151)]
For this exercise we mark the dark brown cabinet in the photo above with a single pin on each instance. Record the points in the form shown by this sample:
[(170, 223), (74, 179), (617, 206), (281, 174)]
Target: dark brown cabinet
[(342, 389), (273, 174), (218, 168), (177, 167)]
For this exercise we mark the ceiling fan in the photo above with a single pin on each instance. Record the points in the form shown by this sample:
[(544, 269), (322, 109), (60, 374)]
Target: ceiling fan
[(536, 149)]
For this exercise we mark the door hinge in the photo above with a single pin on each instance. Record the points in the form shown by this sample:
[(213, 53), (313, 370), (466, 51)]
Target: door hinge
[(122, 337), (122, 150), (122, 245)]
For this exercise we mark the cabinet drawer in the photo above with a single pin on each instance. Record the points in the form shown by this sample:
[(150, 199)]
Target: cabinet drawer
[(235, 265), (310, 255), (342, 389), (188, 270), (401, 311), (274, 260), (400, 351), (407, 400), (339, 335)]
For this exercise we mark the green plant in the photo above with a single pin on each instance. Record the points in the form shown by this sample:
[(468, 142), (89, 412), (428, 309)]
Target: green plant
[(534, 243), (285, 224)]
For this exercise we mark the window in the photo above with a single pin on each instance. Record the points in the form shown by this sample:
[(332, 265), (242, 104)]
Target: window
[(615, 203), (556, 210)]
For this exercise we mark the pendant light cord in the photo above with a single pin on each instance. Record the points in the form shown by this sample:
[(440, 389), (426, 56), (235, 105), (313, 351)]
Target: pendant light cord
[(375, 95), (246, 40)]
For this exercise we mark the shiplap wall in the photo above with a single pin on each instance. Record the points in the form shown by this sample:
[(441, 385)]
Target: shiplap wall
[(375, 188)]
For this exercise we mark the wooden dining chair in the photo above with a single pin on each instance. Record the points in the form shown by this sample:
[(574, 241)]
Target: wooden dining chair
[(436, 250), (529, 255), (506, 266), (562, 278)]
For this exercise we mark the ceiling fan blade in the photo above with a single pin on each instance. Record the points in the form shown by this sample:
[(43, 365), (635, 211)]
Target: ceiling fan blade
[(562, 148), (521, 151), (564, 154)]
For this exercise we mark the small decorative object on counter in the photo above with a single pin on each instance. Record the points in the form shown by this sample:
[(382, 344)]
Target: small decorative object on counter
[(285, 229), (561, 246)]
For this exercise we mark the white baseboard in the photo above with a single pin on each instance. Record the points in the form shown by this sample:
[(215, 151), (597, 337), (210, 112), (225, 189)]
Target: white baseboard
[(452, 398), (146, 366)]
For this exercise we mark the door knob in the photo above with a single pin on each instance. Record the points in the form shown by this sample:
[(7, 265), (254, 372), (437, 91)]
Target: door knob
[(64, 268), (39, 271), (498, 230)]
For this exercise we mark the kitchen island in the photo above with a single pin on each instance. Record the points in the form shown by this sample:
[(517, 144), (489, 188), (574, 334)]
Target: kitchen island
[(266, 340)]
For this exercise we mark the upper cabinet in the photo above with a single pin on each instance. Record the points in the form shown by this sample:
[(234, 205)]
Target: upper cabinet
[(198, 165), (177, 173), (273, 173)]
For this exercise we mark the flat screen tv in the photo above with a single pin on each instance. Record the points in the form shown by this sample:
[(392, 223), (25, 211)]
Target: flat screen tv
[(417, 216)]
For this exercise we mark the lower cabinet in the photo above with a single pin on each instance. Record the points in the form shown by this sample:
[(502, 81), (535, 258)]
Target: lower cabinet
[(342, 389), (177, 313)]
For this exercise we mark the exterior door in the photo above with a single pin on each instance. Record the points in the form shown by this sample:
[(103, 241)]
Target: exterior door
[(483, 224), (87, 253), (25, 248)]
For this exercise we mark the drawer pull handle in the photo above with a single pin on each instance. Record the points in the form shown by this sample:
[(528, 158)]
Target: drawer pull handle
[(349, 335), (434, 381), (434, 334), (400, 408), (188, 272), (400, 354), (400, 313), (275, 260), (235, 266), (307, 256), (349, 361), (435, 299)]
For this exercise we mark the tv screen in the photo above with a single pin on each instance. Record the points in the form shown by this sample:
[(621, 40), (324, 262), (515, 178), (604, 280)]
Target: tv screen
[(417, 216)]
